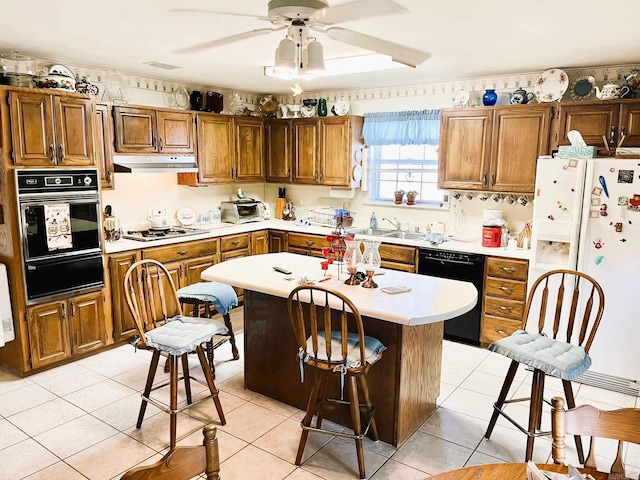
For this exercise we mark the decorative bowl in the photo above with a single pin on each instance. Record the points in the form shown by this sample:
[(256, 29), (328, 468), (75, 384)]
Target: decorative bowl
[(59, 82)]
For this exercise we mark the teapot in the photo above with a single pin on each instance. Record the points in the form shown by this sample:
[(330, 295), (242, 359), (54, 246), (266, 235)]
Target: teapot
[(520, 96), (158, 219), (438, 227), (610, 90)]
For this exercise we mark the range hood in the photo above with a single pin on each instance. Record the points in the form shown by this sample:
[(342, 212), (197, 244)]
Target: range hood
[(154, 164)]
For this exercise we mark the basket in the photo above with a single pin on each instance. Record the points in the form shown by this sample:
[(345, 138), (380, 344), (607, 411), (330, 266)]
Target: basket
[(330, 216)]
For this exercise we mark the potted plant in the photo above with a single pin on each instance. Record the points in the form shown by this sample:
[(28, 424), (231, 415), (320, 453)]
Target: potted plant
[(411, 197), (399, 194)]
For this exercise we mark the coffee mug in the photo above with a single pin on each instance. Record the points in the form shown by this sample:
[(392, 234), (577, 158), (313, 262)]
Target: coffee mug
[(496, 197), (482, 197), (469, 196), (456, 195), (510, 199), (522, 200)]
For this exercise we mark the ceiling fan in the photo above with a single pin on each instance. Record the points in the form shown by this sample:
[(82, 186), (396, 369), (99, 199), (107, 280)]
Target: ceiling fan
[(317, 15)]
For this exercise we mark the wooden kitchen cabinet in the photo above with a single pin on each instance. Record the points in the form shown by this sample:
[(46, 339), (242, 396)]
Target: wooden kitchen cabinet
[(104, 146), (600, 121), (277, 241), (59, 330), (306, 243), (249, 149), (315, 151), (51, 130), (232, 246), (124, 326), (493, 148), (398, 257), (148, 130), (260, 242), (505, 296)]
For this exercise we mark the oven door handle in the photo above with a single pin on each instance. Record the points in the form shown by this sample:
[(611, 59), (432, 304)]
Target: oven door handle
[(443, 261)]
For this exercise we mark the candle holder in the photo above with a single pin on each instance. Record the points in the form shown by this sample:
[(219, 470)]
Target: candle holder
[(353, 258), (371, 260)]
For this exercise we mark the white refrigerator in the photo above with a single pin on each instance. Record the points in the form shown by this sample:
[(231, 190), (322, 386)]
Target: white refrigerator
[(586, 216)]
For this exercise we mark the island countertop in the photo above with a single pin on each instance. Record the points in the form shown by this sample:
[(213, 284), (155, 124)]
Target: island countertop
[(430, 300)]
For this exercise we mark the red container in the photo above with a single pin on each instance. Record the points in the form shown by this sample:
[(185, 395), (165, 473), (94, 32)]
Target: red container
[(491, 236)]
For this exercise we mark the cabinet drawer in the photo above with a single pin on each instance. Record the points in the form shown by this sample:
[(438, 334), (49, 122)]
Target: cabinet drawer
[(495, 328), (307, 242), (180, 251), (398, 254), (235, 242), (507, 268), (498, 287), (503, 307)]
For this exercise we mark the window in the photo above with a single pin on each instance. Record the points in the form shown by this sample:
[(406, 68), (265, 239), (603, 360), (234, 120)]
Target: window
[(405, 167), (403, 154)]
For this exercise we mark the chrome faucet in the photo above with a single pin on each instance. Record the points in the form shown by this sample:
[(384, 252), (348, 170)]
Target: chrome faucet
[(396, 224)]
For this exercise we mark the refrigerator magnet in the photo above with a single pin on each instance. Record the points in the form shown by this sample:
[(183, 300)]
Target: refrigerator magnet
[(599, 260), (618, 227), (625, 176), (596, 191), (598, 243), (623, 201)]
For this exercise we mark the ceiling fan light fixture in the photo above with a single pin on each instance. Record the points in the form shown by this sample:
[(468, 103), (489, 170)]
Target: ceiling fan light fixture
[(285, 56), (315, 58)]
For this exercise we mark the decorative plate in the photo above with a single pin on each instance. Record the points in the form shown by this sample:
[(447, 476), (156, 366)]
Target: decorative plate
[(308, 111), (186, 215), (582, 87), (460, 98), (551, 85), (342, 106), (61, 70), (356, 174), (181, 97)]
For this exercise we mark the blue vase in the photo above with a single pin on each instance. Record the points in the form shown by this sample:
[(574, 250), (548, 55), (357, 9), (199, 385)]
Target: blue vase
[(490, 97)]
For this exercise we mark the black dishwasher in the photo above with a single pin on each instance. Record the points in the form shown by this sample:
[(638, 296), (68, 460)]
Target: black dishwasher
[(468, 267)]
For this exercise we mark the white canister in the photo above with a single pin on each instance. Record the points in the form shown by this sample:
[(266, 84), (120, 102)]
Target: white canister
[(214, 216)]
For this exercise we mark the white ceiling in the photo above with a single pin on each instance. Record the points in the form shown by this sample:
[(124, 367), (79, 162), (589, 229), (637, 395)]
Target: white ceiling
[(466, 39)]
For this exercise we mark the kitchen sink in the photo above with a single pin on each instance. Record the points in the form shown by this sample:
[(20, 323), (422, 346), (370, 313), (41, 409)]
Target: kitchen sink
[(385, 232)]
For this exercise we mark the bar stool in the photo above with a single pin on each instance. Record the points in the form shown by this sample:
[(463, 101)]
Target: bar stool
[(347, 356), (204, 295)]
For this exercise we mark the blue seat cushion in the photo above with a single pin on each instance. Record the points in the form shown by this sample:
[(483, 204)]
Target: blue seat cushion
[(373, 349), (554, 357), (182, 334), (222, 296)]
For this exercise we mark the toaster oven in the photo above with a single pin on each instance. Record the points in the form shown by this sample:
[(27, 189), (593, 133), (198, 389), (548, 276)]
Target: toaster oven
[(242, 211)]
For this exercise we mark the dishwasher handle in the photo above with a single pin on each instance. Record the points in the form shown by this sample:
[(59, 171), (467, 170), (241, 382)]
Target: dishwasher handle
[(446, 260)]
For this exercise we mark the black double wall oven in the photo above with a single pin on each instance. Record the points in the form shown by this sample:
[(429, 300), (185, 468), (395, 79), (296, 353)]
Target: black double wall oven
[(60, 226)]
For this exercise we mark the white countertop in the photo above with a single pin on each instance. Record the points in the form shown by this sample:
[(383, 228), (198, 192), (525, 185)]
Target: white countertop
[(430, 300), (222, 229)]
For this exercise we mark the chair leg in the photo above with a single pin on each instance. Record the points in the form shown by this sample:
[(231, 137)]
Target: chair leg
[(212, 386), (187, 378), (571, 403), (155, 358), (354, 403), (366, 399), (210, 358), (173, 402), (535, 410), (511, 373), (306, 421), (232, 337), (321, 401)]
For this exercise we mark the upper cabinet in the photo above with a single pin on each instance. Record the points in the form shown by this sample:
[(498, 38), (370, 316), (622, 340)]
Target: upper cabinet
[(316, 151), (51, 130), (606, 124), (104, 145), (493, 148), (230, 149), (148, 130)]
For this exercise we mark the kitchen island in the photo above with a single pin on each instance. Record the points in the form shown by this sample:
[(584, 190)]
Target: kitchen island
[(404, 383)]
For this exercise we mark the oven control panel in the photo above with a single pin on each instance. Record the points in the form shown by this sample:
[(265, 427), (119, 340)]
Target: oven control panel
[(57, 181)]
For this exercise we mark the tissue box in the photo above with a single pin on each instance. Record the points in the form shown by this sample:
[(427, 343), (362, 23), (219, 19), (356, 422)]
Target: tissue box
[(575, 151)]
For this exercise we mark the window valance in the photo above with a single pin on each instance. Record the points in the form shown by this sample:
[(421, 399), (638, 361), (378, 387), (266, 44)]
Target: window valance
[(411, 127)]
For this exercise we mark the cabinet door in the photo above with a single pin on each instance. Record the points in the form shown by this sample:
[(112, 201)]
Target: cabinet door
[(335, 157), (135, 130), (306, 151), (278, 150), (629, 124), (74, 120), (520, 136), (215, 149), (175, 132), (259, 242), (277, 241), (194, 268), (465, 149), (104, 146), (249, 133), (32, 129), (593, 121), (123, 323), (87, 322), (48, 333)]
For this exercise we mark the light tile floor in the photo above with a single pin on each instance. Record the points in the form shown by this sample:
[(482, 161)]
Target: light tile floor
[(77, 421)]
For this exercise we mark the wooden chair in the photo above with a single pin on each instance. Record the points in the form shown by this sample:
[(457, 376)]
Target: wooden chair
[(544, 352), (622, 425), (317, 313), (184, 463), (153, 302)]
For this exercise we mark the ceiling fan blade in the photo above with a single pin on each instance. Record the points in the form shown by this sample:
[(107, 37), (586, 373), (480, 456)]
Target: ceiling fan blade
[(233, 38), (398, 53), (214, 12), (359, 9)]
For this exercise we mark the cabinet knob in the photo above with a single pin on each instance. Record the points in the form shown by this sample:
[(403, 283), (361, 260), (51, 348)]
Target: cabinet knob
[(73, 308), (182, 252), (484, 180), (612, 135), (160, 144), (64, 311), (154, 142), (61, 150), (52, 154)]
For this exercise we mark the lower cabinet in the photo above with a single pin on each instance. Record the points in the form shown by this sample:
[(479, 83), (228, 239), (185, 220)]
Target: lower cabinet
[(277, 241), (58, 330), (260, 242), (123, 324), (505, 295), (234, 246), (306, 244)]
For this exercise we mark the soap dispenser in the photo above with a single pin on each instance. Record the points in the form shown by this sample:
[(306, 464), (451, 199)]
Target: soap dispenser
[(373, 221)]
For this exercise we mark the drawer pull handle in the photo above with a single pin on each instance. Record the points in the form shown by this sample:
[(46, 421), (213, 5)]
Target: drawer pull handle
[(503, 332), (235, 242), (183, 252), (502, 307), (507, 269), (506, 289), (309, 242)]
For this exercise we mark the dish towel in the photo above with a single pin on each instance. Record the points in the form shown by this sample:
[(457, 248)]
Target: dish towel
[(222, 296), (57, 221)]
